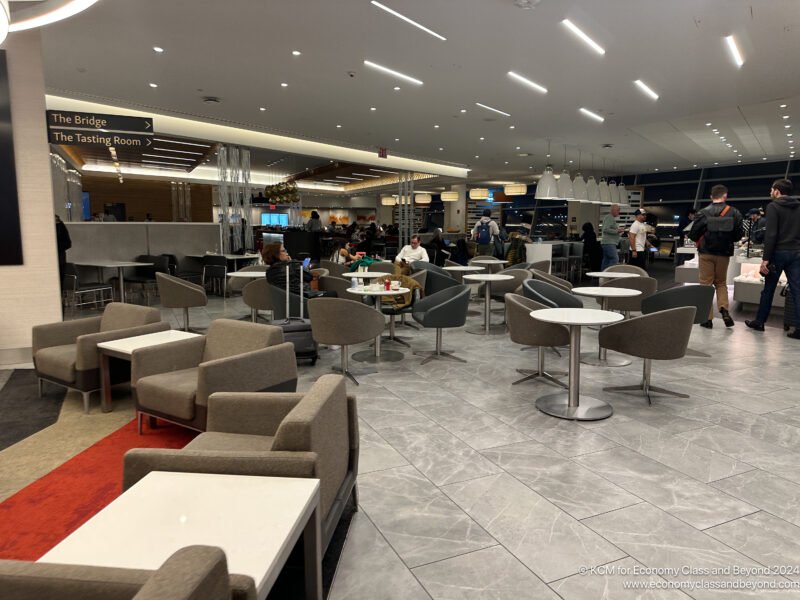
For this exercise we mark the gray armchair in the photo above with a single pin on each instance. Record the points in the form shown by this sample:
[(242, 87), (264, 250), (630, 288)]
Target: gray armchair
[(646, 285), (256, 295), (528, 331), (699, 296), (550, 295), (510, 286), (173, 381), (190, 573), (661, 335), (66, 354), (273, 435), (552, 279), (340, 285), (175, 292), (436, 282), (335, 269), (542, 265), (236, 284), (627, 269), (444, 309)]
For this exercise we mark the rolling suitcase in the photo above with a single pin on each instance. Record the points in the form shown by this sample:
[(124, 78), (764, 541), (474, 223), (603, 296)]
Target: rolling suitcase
[(298, 330), (788, 309)]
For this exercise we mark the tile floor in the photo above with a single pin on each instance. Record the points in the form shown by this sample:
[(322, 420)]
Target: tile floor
[(467, 491)]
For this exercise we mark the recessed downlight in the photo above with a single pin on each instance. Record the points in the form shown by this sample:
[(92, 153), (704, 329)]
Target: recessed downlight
[(153, 85), (262, 108), (158, 49), (783, 105), (511, 127), (284, 84), (463, 110), (296, 53), (372, 108), (396, 88), (436, 127), (708, 124), (338, 127), (441, 149)]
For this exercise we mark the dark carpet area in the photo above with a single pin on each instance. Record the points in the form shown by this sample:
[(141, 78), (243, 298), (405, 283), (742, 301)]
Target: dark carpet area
[(22, 412)]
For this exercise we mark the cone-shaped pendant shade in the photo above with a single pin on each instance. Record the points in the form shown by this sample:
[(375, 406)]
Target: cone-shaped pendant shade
[(565, 189), (592, 193), (605, 195), (547, 188), (613, 192), (579, 188), (623, 193)]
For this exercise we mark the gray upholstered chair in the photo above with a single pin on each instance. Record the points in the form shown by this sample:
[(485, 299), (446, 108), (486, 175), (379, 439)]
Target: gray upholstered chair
[(173, 381), (256, 295), (444, 309), (314, 434), (417, 266), (699, 296), (489, 268), (343, 322), (436, 282), (662, 335), (65, 353), (277, 298), (528, 331), (175, 292), (542, 265), (550, 295), (552, 279), (339, 285), (335, 269), (510, 286), (190, 573), (382, 267), (646, 285), (236, 284), (627, 269)]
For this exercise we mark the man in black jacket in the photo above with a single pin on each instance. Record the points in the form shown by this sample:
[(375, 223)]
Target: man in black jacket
[(781, 252), (714, 231)]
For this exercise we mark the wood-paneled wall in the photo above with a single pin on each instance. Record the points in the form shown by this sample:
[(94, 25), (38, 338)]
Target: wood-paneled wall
[(141, 196)]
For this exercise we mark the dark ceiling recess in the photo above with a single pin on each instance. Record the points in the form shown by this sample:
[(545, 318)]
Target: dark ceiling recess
[(165, 153)]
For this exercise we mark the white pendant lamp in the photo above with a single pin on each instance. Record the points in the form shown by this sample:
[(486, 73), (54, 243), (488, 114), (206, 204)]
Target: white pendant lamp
[(592, 192), (5, 20), (622, 193), (605, 195), (565, 189), (547, 187), (579, 188), (515, 189), (388, 201), (613, 192), (449, 196), (422, 199)]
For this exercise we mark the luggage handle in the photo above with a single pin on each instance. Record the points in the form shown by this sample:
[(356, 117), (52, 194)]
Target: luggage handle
[(288, 294)]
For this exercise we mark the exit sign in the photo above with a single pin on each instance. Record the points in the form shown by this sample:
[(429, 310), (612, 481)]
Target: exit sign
[(383, 153)]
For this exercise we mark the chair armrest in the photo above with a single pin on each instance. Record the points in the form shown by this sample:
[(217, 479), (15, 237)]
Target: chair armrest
[(247, 372), (141, 461), (60, 334), (252, 413), (23, 579), (163, 358), (87, 356)]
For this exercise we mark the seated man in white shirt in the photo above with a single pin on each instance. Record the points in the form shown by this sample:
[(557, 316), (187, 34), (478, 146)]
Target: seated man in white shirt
[(412, 252)]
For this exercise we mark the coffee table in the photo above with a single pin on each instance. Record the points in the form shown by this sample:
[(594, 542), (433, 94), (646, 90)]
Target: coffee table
[(123, 349), (256, 520), (378, 355), (604, 293), (487, 278), (571, 405)]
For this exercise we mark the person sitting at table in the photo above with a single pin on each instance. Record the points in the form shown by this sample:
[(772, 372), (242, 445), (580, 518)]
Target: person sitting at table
[(412, 252), (277, 258), (341, 255)]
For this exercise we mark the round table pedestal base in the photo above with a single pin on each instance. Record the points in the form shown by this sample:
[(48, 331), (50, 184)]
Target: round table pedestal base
[(590, 409), (496, 329), (591, 358), (368, 356)]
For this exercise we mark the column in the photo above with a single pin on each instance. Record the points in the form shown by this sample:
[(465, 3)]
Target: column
[(455, 213)]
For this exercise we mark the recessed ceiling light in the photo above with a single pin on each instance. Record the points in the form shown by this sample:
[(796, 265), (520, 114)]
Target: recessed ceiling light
[(158, 49), (506, 162), (511, 127), (463, 110), (592, 115), (262, 108), (403, 76), (786, 126), (396, 139), (730, 146), (694, 165), (708, 124), (577, 31), (476, 156), (153, 85), (674, 168), (296, 53), (734, 50), (397, 88), (788, 135), (785, 116), (517, 148), (738, 161), (440, 149), (481, 139), (646, 89), (539, 88), (436, 127), (655, 169), (338, 127), (716, 163), (505, 114), (284, 85), (715, 130), (783, 105), (372, 108), (407, 20)]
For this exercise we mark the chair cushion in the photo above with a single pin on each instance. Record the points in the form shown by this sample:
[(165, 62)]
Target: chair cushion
[(171, 393), (58, 362), (230, 442)]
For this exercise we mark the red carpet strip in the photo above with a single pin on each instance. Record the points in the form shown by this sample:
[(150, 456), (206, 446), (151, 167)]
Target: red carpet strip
[(40, 515)]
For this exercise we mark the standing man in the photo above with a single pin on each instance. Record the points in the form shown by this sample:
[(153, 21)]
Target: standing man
[(714, 230), (637, 236), (609, 238), (781, 252), (485, 232)]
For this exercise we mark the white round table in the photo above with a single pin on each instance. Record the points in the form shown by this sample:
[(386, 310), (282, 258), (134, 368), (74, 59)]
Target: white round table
[(611, 274), (461, 269), (570, 404), (487, 261), (378, 355), (487, 278), (365, 274), (604, 293), (248, 274)]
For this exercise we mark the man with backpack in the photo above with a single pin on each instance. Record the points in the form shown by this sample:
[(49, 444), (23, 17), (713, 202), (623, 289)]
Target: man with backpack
[(485, 232), (714, 231)]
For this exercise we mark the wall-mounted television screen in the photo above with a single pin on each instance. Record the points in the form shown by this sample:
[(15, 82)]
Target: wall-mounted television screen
[(279, 219)]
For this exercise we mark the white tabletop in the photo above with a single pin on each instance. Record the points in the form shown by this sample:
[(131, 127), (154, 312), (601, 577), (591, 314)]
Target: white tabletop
[(576, 316), (612, 274), (253, 519), (488, 277), (381, 292), (248, 274), (366, 274), (112, 264), (486, 261), (686, 250), (605, 292), (128, 345), (463, 268), (228, 256)]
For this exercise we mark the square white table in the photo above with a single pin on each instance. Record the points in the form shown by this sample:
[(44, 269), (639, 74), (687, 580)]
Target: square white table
[(123, 349), (256, 520)]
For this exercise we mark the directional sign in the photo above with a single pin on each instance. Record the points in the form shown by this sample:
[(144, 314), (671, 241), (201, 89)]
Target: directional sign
[(77, 120), (73, 137)]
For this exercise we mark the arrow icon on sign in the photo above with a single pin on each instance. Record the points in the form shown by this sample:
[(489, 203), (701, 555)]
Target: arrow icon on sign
[(147, 124)]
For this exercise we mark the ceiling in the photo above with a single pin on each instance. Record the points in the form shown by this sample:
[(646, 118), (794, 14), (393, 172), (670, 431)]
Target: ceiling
[(241, 52)]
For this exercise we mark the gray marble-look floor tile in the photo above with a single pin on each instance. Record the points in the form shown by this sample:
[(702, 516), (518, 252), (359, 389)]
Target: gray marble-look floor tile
[(368, 568), (473, 425), (387, 411), (789, 416), (566, 484), (375, 453), (764, 538), (547, 540), (658, 415), (417, 519), (440, 455), (691, 501), (490, 574), (766, 491)]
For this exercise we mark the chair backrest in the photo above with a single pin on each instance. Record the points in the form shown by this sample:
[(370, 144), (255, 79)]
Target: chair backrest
[(662, 335), (549, 294), (446, 308), (335, 284), (335, 269), (190, 573), (236, 284), (646, 285), (179, 293), (524, 329), (436, 282), (552, 279), (427, 266), (541, 265), (382, 267), (628, 269), (421, 277), (320, 423), (481, 257), (215, 266), (227, 337), (501, 288), (122, 316), (255, 295), (699, 296), (277, 298), (343, 322)]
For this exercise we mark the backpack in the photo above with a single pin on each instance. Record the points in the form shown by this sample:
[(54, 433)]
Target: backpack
[(484, 233)]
